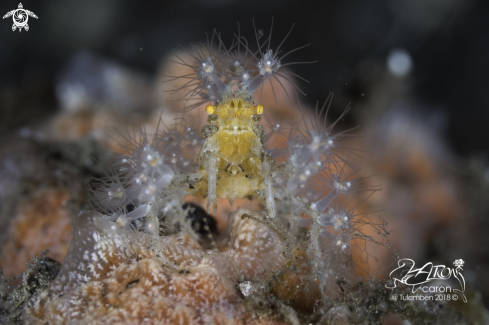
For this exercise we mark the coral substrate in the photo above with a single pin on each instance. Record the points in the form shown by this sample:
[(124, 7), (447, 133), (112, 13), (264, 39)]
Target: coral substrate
[(112, 276)]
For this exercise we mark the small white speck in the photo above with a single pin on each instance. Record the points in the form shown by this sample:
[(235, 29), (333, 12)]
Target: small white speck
[(246, 288)]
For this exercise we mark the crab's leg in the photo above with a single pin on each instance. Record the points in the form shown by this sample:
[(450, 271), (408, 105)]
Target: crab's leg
[(213, 164), (267, 179)]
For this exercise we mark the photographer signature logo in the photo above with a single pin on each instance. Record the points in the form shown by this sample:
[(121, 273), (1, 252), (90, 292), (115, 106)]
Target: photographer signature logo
[(407, 274), (20, 17)]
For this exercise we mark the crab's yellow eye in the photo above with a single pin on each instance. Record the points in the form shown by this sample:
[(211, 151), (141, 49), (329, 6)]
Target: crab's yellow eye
[(209, 109), (259, 109)]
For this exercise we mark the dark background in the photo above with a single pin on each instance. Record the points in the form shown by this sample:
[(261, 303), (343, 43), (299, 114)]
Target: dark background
[(447, 40)]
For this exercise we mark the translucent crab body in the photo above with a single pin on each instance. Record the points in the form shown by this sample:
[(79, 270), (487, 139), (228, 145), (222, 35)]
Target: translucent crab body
[(231, 159), (233, 163)]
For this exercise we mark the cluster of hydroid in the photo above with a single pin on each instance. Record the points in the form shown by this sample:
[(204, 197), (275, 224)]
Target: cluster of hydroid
[(234, 71), (141, 240)]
